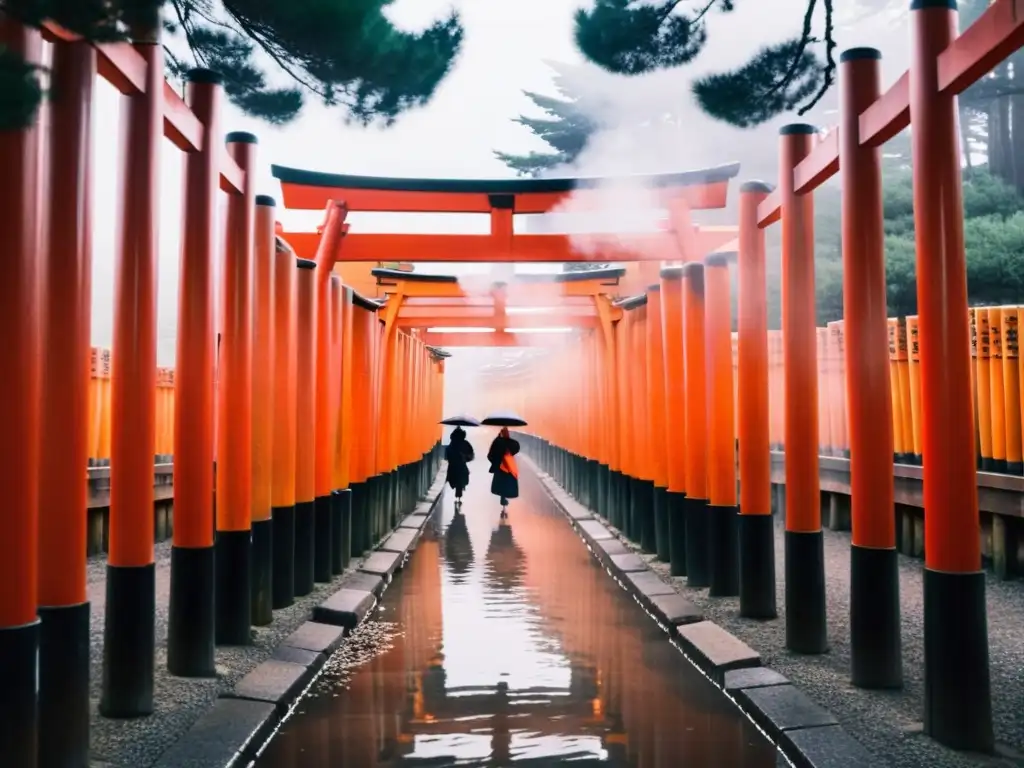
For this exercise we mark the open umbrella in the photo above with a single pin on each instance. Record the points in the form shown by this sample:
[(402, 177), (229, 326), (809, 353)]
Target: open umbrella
[(504, 419), (461, 421)]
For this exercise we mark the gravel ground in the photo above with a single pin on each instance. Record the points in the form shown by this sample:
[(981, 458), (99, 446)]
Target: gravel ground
[(887, 723), (138, 743), (178, 701)]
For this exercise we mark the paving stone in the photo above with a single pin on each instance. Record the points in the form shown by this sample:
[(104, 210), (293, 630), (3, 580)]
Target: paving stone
[(780, 708), (275, 682), (229, 727), (413, 521), (345, 608), (593, 530), (382, 563), (578, 512), (319, 638), (829, 746), (364, 582), (674, 609), (756, 677), (716, 651), (648, 585), (628, 563), (400, 541), (611, 547), (311, 660)]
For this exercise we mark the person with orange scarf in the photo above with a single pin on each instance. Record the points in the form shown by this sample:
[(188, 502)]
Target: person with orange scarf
[(505, 483)]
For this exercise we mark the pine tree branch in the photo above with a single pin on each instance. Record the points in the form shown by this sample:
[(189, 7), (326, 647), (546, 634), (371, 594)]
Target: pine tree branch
[(805, 39), (830, 62)]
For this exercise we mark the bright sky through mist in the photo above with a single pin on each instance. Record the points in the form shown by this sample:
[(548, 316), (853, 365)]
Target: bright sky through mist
[(506, 44)]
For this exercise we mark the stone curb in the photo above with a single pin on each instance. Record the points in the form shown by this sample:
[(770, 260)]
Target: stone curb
[(241, 722), (805, 734)]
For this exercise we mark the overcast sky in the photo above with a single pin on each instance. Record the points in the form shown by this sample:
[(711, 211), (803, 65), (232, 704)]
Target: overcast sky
[(505, 46)]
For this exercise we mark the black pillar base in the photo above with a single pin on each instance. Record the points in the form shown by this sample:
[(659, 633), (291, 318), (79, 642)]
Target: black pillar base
[(999, 466), (957, 696), (875, 641), (594, 477), (724, 554), (604, 491), (341, 529), (233, 577), (806, 625), (676, 519), (1014, 468), (698, 566), (284, 556), (19, 702), (63, 686), (661, 539), (634, 522), (358, 491), (262, 559), (648, 544), (190, 620), (373, 507), (304, 530), (757, 566), (322, 539), (128, 642)]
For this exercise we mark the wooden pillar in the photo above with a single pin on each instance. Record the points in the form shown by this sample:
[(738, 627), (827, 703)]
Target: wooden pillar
[(721, 435), (874, 577), (697, 565), (756, 525), (341, 495), (282, 513), (190, 629), (655, 395), (305, 425), (263, 407), (675, 413), (130, 611), (806, 628), (66, 283), (958, 709)]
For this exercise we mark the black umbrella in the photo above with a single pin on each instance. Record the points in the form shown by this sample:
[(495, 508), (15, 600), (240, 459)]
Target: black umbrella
[(504, 419), (461, 421)]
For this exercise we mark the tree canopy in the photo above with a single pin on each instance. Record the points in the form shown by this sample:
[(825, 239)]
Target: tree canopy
[(347, 53)]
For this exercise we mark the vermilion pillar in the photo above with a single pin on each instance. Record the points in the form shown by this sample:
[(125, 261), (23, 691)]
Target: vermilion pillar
[(305, 421), (756, 526), (190, 631), (806, 630), (721, 436), (282, 434), (343, 464), (234, 407), (697, 564), (129, 626), (263, 407), (325, 424), (340, 503), (675, 413), (66, 292), (958, 710), (874, 577), (657, 419), (19, 410)]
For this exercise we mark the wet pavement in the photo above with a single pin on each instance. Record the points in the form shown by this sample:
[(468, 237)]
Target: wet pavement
[(503, 642)]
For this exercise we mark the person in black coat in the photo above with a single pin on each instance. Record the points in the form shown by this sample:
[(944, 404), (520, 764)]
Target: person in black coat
[(505, 483), (458, 454)]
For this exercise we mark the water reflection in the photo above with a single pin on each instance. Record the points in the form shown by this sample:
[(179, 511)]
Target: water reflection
[(531, 656)]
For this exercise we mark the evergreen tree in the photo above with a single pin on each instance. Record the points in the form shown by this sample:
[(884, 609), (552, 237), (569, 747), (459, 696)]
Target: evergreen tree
[(566, 128), (345, 52)]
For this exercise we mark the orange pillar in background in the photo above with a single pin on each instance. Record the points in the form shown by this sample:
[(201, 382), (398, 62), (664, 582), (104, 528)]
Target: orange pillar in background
[(675, 413), (263, 407), (874, 578), (1011, 390), (305, 425), (643, 497), (983, 391), (756, 526), (283, 428), (655, 395), (234, 407), (339, 507), (698, 572), (721, 438), (996, 390), (66, 287), (343, 462), (806, 630), (914, 369), (326, 418), (190, 631), (958, 708), (129, 628)]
